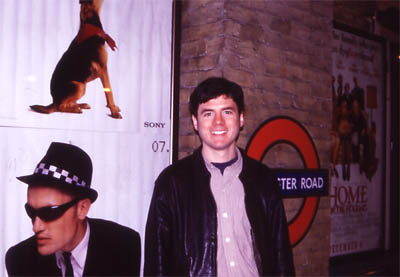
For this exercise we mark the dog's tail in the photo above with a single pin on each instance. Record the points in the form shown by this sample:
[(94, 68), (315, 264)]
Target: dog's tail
[(44, 109)]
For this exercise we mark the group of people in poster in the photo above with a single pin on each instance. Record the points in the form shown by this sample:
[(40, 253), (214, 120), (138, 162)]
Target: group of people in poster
[(353, 129)]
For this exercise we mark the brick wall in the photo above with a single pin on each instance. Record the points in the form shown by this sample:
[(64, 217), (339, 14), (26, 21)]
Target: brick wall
[(279, 52)]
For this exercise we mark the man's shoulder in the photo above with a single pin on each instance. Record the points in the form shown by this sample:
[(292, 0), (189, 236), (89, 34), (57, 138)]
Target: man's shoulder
[(113, 249), (26, 247), (24, 259), (181, 167), (110, 237), (257, 173), (252, 164), (106, 227)]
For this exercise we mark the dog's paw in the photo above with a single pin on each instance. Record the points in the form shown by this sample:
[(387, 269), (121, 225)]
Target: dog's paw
[(115, 111), (84, 106), (116, 115), (114, 108)]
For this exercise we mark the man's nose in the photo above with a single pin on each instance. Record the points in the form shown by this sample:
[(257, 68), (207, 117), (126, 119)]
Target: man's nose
[(37, 225), (219, 119)]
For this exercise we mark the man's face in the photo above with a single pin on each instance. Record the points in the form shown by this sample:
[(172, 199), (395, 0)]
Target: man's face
[(218, 123), (59, 234)]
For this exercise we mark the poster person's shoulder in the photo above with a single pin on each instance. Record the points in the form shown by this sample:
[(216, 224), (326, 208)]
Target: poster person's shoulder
[(106, 227), (18, 256), (113, 250)]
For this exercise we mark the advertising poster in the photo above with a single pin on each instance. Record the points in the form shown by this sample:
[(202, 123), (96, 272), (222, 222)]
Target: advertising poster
[(357, 144), (112, 101)]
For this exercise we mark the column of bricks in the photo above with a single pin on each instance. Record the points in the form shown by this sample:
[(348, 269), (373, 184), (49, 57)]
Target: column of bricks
[(280, 53)]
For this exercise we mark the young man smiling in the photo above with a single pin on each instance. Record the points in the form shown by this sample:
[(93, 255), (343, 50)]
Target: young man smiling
[(66, 241), (217, 212)]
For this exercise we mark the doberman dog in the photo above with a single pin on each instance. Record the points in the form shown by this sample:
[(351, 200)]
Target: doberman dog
[(85, 60)]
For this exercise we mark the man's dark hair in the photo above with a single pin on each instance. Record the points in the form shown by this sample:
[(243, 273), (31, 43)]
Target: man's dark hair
[(212, 88)]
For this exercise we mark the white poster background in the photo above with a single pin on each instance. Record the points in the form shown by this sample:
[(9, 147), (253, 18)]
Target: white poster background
[(127, 156), (356, 204)]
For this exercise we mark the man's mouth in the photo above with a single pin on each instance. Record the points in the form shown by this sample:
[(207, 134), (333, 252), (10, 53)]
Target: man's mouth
[(41, 240), (218, 132)]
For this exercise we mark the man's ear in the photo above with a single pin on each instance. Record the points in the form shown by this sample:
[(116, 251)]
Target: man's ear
[(83, 207), (194, 121), (241, 120)]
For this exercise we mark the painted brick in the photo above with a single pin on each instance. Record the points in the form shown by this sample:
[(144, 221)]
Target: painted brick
[(270, 53), (185, 126), (294, 58), (216, 72), (270, 68), (243, 78), (202, 31), (322, 8), (184, 94), (191, 7), (252, 97), (243, 48), (202, 63), (301, 32), (193, 48), (186, 142), (251, 32), (232, 28), (184, 110), (281, 25), (268, 83), (285, 100), (231, 60), (304, 102), (188, 79), (275, 7), (292, 205), (292, 72), (301, 5), (251, 4), (321, 89), (214, 45), (235, 11)]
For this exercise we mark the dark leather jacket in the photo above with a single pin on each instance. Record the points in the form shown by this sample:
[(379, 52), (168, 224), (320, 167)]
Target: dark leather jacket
[(181, 229)]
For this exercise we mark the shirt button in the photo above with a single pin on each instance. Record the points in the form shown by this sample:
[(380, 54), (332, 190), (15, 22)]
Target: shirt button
[(232, 264), (225, 215), (227, 239)]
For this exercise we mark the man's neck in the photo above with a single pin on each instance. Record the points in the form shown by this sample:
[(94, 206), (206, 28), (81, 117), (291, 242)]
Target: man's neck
[(222, 166), (80, 234), (215, 156)]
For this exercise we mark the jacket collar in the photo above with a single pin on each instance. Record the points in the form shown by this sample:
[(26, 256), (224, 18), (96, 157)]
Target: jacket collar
[(199, 165)]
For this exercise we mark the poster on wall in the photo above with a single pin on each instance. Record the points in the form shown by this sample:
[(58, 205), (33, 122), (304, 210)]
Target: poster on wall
[(357, 144), (102, 83)]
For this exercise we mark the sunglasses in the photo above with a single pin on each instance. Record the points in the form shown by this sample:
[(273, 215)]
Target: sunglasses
[(51, 213)]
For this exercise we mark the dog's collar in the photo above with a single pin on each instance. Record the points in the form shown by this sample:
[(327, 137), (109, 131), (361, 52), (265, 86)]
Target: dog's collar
[(88, 30)]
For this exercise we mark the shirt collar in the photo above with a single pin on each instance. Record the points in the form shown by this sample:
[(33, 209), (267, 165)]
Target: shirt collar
[(236, 167), (78, 254)]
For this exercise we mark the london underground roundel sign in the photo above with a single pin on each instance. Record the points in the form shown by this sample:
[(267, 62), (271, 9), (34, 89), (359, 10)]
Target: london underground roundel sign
[(287, 130)]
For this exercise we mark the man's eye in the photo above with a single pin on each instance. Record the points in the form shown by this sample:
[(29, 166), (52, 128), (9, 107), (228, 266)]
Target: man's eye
[(208, 114), (228, 112)]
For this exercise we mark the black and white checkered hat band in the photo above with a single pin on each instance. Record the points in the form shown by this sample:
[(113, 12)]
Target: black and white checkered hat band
[(59, 173)]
